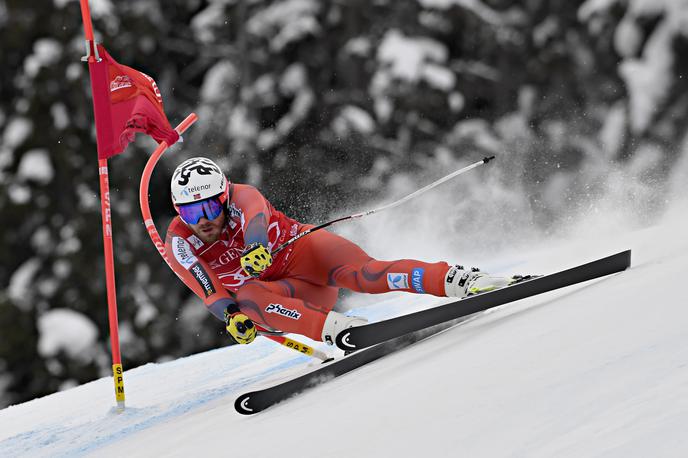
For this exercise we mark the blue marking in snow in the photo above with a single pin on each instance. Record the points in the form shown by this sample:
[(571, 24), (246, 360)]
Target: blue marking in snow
[(53, 440)]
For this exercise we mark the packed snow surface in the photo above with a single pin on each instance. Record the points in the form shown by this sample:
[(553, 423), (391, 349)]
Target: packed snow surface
[(599, 369)]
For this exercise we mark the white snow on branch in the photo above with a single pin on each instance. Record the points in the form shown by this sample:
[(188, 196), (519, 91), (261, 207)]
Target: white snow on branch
[(545, 30), (285, 22), (294, 78), (478, 132), (650, 8), (593, 7), (628, 37), (475, 68), (407, 58), (219, 82), (456, 101), (358, 46), (241, 127), (353, 119), (649, 78), (35, 165), (439, 77), (208, 19), (300, 107), (19, 193), (68, 331), (60, 115), (146, 310), (476, 7), (613, 132), (21, 283), (17, 130), (293, 82), (46, 51)]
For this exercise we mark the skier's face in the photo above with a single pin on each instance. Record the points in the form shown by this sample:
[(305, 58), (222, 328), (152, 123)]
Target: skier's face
[(209, 230)]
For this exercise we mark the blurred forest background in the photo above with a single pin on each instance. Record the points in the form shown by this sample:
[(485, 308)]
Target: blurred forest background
[(320, 104)]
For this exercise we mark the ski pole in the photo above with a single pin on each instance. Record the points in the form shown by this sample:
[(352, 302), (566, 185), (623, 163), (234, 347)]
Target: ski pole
[(385, 207), (293, 344)]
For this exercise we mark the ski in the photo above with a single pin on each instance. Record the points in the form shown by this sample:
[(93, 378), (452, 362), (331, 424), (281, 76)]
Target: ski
[(361, 337), (379, 339), (256, 401)]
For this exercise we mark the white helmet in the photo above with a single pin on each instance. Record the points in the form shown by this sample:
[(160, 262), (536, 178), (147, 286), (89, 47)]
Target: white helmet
[(196, 179)]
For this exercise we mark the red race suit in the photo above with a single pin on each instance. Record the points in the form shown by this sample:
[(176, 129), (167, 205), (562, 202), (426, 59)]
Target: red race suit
[(300, 288)]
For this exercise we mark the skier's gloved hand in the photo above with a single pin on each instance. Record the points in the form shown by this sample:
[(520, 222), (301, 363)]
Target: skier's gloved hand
[(240, 327), (255, 259)]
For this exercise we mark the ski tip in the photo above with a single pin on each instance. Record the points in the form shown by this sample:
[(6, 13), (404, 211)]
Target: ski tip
[(242, 405), (627, 257)]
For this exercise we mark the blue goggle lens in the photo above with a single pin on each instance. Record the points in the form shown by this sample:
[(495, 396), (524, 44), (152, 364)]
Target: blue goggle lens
[(192, 213)]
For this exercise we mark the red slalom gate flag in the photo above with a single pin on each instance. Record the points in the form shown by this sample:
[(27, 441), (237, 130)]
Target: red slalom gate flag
[(125, 101)]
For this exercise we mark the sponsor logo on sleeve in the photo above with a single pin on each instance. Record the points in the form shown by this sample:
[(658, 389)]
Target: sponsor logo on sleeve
[(203, 279), (183, 253), (195, 241), (417, 280), (280, 310), (397, 280), (234, 212)]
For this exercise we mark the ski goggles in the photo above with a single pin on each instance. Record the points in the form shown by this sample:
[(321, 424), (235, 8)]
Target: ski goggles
[(208, 209)]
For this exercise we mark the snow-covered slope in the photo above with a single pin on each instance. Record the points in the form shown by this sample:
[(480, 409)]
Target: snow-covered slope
[(593, 370)]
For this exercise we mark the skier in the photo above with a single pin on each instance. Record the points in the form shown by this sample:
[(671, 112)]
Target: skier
[(221, 245)]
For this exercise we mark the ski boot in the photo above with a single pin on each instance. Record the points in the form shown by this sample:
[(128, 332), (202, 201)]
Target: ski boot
[(461, 282), (336, 323)]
